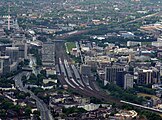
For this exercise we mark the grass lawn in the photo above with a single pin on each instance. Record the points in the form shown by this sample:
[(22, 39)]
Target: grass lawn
[(70, 45), (146, 43)]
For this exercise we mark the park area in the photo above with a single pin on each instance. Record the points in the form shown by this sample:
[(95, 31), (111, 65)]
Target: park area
[(70, 46)]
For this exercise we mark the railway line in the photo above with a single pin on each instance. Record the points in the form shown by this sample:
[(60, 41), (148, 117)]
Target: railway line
[(63, 62)]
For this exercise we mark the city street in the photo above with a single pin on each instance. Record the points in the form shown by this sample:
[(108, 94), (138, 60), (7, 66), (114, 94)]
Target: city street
[(42, 107)]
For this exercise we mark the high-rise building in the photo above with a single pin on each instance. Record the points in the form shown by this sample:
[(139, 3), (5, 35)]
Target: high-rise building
[(111, 74), (120, 78), (22, 49), (3, 48), (4, 64), (124, 80), (48, 54), (13, 53), (148, 76), (128, 81)]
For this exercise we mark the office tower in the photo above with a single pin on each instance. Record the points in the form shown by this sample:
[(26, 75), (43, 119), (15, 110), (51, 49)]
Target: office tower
[(124, 80), (128, 81), (23, 48), (4, 64), (120, 78), (48, 54), (111, 74), (148, 76), (13, 53), (3, 48)]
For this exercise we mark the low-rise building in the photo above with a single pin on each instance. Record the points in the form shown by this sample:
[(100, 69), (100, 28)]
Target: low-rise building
[(125, 115), (133, 43)]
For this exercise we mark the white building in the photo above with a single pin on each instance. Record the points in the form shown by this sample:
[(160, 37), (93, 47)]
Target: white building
[(128, 81), (157, 43), (132, 43)]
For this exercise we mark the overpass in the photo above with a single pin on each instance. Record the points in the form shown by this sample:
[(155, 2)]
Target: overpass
[(143, 107)]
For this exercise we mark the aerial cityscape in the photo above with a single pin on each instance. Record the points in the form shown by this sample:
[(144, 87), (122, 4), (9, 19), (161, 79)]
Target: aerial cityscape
[(80, 60)]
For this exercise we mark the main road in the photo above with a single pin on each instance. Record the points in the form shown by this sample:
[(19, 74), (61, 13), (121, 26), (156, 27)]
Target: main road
[(42, 107), (144, 17)]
